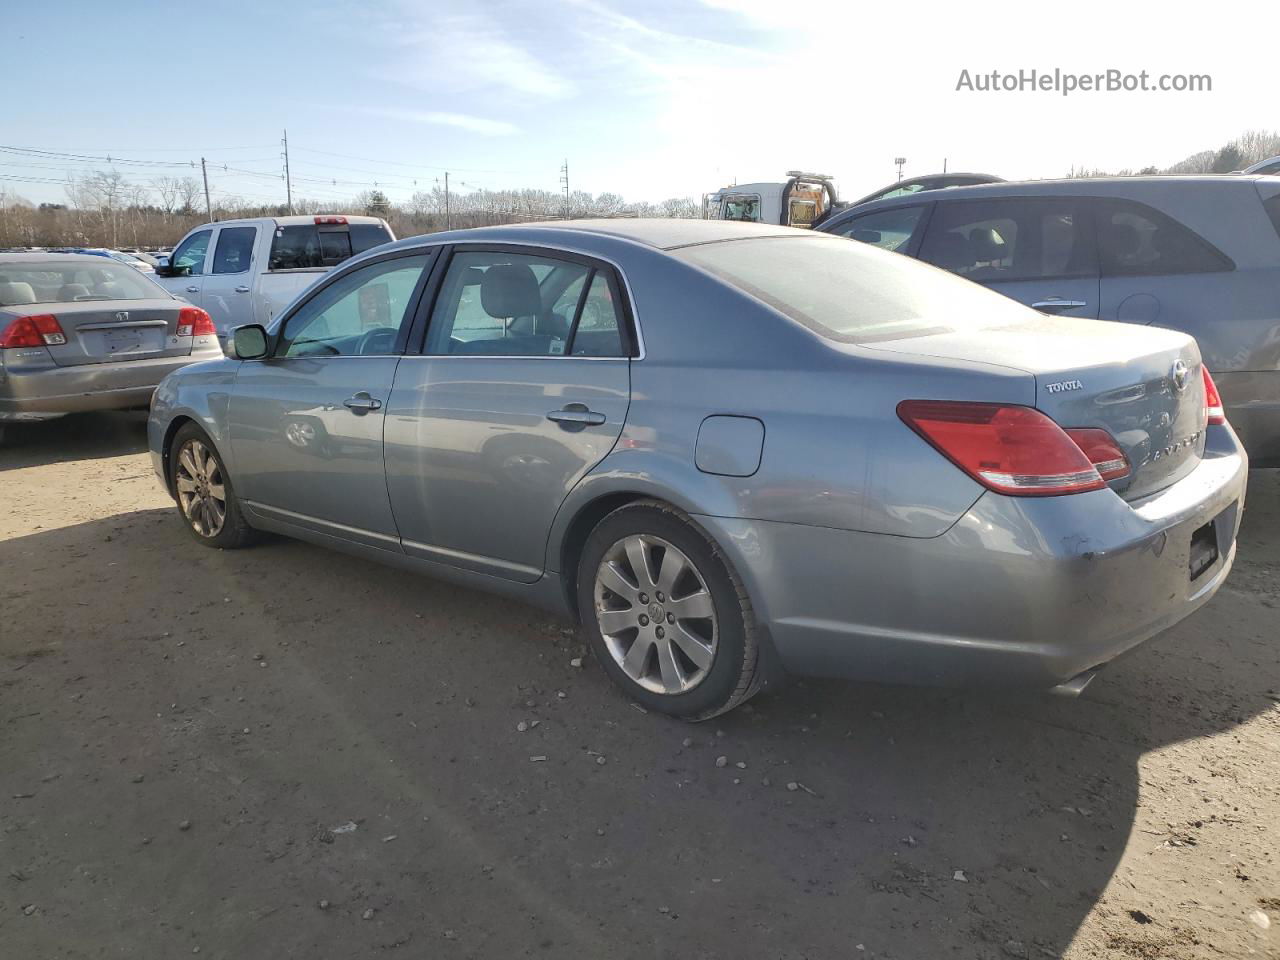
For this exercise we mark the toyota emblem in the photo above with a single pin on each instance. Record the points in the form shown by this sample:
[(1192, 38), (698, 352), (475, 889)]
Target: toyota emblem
[(1178, 375)]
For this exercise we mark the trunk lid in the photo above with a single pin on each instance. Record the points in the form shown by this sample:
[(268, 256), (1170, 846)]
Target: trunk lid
[(114, 331), (1141, 384)]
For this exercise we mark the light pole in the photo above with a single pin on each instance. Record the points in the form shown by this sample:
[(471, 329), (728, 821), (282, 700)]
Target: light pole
[(899, 161)]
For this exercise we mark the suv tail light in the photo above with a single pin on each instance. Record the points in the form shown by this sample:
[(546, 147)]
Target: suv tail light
[(39, 331), (1012, 449), (1212, 399), (194, 322)]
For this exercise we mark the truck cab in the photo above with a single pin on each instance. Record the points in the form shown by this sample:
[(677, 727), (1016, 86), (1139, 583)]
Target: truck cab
[(246, 271), (802, 200)]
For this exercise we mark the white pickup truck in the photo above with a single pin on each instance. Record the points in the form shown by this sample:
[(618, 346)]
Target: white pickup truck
[(246, 271)]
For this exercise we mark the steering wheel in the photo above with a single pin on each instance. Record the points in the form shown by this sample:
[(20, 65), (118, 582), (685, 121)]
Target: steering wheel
[(376, 341)]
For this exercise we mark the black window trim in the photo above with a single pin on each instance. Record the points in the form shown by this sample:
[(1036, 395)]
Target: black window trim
[(252, 245), (334, 274), (1087, 229), (632, 337)]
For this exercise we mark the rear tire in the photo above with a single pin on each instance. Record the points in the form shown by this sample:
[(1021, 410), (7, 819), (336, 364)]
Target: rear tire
[(202, 487), (665, 614)]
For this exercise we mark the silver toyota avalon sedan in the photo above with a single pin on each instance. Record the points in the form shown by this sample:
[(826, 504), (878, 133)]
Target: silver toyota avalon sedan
[(81, 332), (732, 451)]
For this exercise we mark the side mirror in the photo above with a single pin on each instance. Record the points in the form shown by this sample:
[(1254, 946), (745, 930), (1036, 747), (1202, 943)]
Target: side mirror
[(163, 269), (249, 342)]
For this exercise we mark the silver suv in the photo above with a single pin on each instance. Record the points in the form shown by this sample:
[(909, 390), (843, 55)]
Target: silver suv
[(1198, 254)]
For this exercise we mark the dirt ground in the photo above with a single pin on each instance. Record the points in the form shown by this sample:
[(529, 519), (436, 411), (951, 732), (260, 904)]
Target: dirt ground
[(284, 752)]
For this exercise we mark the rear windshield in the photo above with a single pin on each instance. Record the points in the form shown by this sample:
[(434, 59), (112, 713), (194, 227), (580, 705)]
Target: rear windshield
[(307, 245), (849, 291), (55, 281)]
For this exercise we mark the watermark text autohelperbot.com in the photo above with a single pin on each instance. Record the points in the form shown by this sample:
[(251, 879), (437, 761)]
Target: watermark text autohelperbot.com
[(1065, 83)]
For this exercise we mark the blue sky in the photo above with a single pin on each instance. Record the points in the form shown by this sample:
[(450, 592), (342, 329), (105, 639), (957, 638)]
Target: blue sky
[(647, 100)]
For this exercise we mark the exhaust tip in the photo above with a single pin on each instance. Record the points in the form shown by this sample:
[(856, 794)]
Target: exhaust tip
[(1075, 686)]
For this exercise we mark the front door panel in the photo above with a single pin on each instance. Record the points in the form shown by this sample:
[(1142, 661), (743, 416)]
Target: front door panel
[(303, 455)]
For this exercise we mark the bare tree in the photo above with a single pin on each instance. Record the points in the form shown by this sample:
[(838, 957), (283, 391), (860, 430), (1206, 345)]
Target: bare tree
[(167, 189), (189, 191)]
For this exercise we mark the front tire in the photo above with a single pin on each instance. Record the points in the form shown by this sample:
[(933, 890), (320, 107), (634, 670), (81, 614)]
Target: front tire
[(665, 614), (206, 499)]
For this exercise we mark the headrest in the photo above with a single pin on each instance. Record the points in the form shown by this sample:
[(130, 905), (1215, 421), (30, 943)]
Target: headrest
[(510, 290), (12, 293), (987, 244), (69, 291)]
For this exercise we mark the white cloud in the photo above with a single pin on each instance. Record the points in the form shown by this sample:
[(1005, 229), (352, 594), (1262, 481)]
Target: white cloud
[(481, 125)]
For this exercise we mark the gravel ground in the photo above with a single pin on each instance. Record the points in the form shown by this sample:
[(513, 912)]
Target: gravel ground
[(284, 752)]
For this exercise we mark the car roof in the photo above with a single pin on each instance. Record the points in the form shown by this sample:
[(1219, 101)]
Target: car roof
[(296, 220), (661, 233), (1066, 187), (46, 256)]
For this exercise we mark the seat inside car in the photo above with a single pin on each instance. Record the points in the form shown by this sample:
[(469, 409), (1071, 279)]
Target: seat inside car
[(13, 293), (509, 292), (72, 291)]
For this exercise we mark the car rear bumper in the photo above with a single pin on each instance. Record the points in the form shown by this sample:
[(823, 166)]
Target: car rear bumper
[(32, 393), (1025, 591), (1252, 404)]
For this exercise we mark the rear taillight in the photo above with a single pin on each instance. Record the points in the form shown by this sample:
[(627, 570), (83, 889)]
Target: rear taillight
[(1212, 399), (1102, 450), (194, 322), (39, 331), (1013, 450)]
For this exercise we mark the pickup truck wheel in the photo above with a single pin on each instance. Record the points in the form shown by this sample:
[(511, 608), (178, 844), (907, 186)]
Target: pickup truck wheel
[(206, 499), (664, 613)]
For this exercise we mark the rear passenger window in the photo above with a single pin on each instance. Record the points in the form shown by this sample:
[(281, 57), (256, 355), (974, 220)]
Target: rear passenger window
[(887, 229), (516, 305), (990, 241), (1135, 240), (234, 249)]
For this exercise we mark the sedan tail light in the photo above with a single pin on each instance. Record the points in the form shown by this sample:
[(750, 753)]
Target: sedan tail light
[(39, 331), (1212, 399), (194, 322), (1015, 450)]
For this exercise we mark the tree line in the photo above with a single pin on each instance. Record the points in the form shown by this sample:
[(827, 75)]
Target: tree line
[(104, 209), (1245, 150)]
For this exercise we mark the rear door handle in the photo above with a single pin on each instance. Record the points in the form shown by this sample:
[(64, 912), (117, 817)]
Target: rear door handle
[(242, 289), (577, 415), (362, 403), (1057, 303)]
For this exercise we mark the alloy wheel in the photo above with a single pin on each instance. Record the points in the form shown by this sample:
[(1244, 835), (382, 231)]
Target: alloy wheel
[(655, 614), (201, 489)]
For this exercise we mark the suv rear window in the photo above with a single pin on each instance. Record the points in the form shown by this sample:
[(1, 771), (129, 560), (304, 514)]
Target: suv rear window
[(307, 245), (851, 291)]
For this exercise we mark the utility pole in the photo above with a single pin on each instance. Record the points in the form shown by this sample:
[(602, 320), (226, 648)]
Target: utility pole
[(208, 206), (564, 180), (288, 184), (446, 200), (944, 164), (899, 161)]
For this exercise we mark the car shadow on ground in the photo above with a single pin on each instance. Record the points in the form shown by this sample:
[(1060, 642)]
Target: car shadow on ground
[(185, 728), (77, 436)]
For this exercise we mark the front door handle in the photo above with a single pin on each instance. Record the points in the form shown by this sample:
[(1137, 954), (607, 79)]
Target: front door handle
[(242, 289), (193, 289), (1057, 303), (576, 415), (362, 403)]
